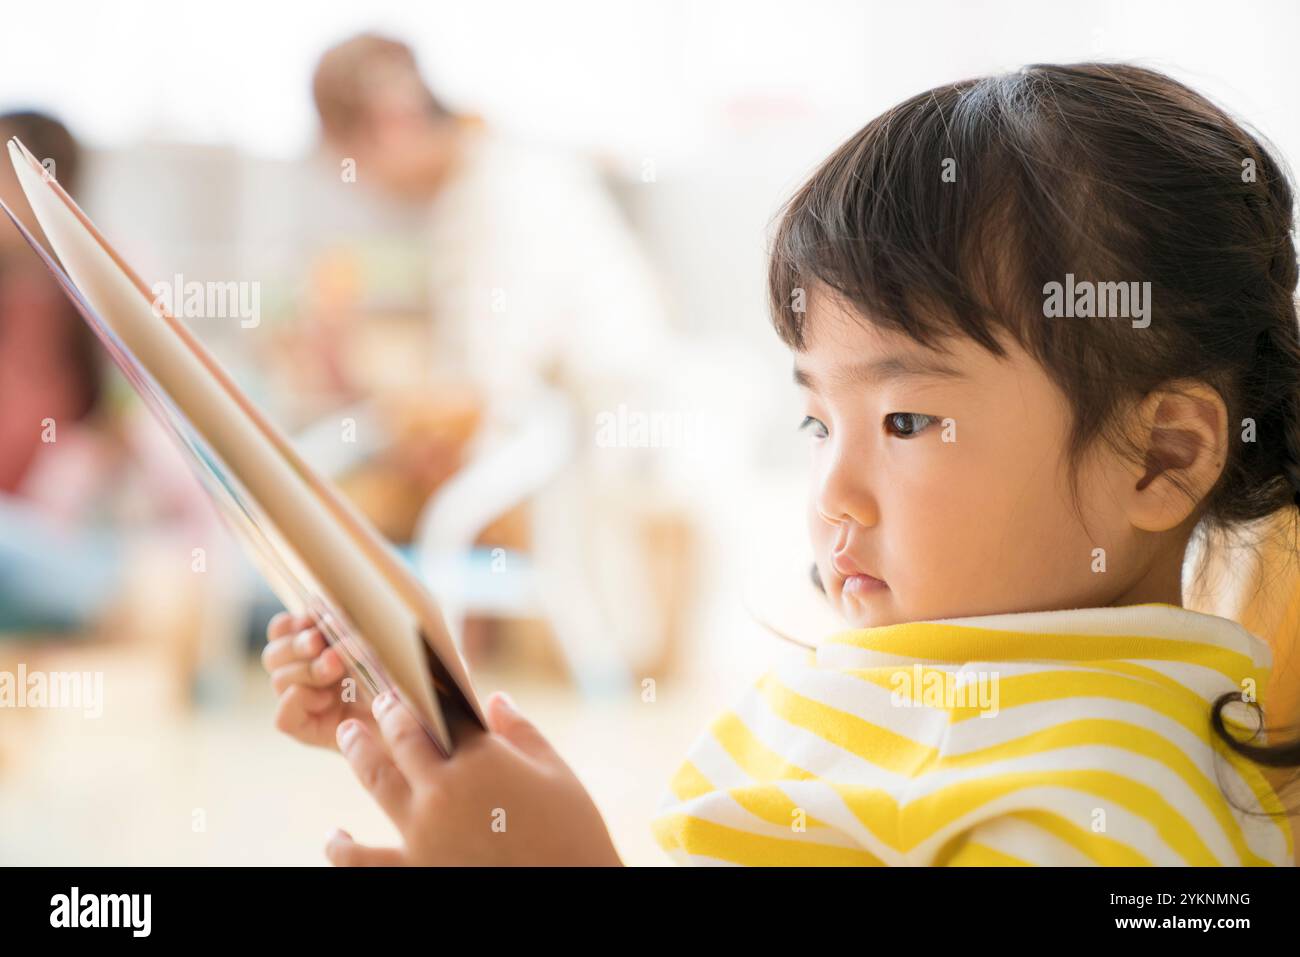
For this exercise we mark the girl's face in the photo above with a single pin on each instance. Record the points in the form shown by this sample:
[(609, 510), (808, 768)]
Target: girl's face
[(940, 485)]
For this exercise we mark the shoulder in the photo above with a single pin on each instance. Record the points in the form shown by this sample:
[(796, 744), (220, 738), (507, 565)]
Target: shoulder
[(1113, 760)]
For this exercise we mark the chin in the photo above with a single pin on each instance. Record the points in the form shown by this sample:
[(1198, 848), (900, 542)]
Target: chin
[(858, 615)]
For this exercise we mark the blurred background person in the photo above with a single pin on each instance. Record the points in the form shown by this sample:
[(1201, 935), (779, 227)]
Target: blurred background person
[(90, 490), (535, 276), (545, 313), (49, 363)]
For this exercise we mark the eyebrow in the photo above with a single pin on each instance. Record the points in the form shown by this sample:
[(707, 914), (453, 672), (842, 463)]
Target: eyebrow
[(882, 370)]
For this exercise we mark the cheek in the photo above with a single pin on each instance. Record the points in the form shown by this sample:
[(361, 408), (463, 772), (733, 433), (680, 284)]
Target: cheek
[(930, 533), (952, 531), (1005, 540)]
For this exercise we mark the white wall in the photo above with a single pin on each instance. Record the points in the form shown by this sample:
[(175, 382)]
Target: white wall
[(672, 79)]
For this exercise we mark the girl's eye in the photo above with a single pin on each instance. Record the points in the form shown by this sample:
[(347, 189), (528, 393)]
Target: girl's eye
[(905, 425), (818, 429)]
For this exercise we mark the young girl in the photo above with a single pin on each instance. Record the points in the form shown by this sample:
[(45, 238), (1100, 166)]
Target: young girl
[(1045, 330)]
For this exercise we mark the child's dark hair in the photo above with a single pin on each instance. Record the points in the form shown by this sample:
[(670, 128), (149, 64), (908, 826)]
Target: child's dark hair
[(52, 143), (949, 213)]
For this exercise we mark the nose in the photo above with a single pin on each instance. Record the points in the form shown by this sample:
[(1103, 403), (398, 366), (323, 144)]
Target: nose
[(842, 493)]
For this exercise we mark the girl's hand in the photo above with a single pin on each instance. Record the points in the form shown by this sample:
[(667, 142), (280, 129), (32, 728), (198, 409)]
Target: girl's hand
[(308, 675), (503, 798)]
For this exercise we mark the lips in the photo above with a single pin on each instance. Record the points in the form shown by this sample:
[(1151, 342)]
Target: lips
[(848, 569), (862, 585)]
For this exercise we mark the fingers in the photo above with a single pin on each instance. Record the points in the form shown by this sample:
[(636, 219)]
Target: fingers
[(322, 672), (289, 648), (375, 769), (413, 752), (342, 851), (286, 624), (503, 718), (300, 707)]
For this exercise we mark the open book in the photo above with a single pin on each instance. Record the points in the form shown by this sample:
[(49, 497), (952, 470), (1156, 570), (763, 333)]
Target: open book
[(316, 551)]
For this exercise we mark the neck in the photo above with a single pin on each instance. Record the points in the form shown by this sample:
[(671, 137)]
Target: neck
[(445, 147), (1162, 582)]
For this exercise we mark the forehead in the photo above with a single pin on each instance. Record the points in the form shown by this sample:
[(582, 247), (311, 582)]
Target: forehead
[(840, 344), (831, 324)]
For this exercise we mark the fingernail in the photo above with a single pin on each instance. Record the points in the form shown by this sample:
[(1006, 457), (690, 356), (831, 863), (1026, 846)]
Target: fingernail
[(347, 731), (507, 700), (383, 702)]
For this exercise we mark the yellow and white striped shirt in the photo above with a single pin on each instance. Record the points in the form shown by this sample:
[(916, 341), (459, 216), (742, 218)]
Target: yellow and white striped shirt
[(1067, 738)]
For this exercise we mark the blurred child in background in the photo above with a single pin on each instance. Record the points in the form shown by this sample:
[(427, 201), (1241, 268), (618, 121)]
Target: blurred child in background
[(78, 464)]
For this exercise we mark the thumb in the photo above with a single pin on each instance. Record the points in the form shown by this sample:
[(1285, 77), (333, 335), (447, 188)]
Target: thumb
[(504, 719), (343, 851)]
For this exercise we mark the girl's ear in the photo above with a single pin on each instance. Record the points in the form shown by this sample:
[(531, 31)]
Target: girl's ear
[(1183, 432)]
